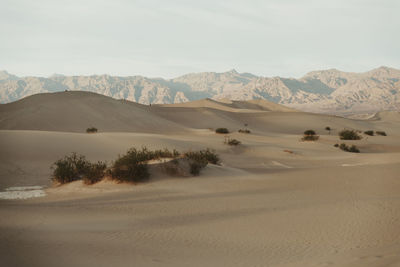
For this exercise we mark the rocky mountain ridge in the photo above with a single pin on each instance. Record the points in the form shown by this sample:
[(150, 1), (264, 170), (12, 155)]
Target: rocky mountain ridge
[(326, 91)]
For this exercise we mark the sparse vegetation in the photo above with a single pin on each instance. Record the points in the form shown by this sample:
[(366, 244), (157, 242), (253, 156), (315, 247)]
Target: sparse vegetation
[(222, 131), (336, 145), (327, 128), (199, 159), (310, 135), (131, 167), (232, 142), (95, 173), (76, 167), (382, 133), (349, 135), (246, 131), (347, 148), (91, 130), (369, 132)]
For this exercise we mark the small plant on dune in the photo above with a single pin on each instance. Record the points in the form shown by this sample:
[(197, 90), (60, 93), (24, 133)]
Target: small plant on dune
[(232, 142), (70, 168), (310, 135), (336, 145), (347, 148), (246, 131), (349, 135), (327, 128), (369, 132), (91, 130), (95, 173), (222, 131), (132, 167), (382, 133)]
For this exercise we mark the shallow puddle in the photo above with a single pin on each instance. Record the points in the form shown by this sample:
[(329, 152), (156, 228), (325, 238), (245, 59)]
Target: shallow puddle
[(22, 192)]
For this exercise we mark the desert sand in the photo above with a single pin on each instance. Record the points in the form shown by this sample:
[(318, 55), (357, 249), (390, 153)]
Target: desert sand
[(274, 200)]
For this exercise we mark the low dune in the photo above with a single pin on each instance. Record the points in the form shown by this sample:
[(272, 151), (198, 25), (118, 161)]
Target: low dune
[(273, 201)]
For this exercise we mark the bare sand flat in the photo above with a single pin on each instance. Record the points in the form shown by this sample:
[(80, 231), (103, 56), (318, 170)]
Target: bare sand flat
[(274, 201)]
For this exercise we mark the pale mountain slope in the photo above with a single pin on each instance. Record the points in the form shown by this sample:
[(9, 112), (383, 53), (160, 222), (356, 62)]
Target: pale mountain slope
[(326, 91)]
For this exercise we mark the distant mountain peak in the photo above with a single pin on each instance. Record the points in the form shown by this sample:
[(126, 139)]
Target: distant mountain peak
[(232, 71), (325, 91), (4, 75)]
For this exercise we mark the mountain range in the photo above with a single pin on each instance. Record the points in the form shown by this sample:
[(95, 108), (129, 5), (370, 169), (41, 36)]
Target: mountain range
[(326, 91)]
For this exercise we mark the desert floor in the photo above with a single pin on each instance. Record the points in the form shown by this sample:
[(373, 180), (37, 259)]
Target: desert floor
[(274, 201)]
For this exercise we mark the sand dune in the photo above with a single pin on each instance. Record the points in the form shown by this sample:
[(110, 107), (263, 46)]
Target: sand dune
[(274, 201)]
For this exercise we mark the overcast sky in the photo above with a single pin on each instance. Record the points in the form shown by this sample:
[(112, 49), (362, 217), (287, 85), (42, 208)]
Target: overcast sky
[(167, 38)]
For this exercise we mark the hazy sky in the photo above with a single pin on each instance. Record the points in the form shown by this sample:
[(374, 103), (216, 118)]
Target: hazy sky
[(168, 38)]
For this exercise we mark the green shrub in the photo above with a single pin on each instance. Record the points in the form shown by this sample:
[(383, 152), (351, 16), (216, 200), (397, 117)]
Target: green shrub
[(369, 132), (347, 148), (70, 168), (222, 130), (382, 133), (336, 145), (199, 159), (95, 173), (232, 142), (91, 130), (132, 167), (349, 135), (310, 138), (310, 135), (196, 166), (310, 132), (244, 131), (157, 154)]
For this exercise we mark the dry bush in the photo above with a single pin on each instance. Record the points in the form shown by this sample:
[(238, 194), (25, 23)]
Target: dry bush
[(349, 135)]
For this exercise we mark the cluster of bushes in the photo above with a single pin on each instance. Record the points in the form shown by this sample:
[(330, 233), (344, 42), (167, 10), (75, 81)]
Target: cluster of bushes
[(131, 167), (199, 159), (349, 135), (246, 131), (347, 148), (91, 130), (222, 130), (76, 167), (310, 135)]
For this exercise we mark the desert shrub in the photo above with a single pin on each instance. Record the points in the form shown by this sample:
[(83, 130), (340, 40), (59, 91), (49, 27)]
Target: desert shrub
[(196, 166), (210, 155), (199, 159), (244, 131), (222, 130), (347, 148), (232, 142), (70, 168), (95, 172), (369, 132), (132, 167), (310, 138), (349, 135), (172, 167), (91, 130), (382, 133), (310, 135), (166, 153), (336, 145), (310, 132)]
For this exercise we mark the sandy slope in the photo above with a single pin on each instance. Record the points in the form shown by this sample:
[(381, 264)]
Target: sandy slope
[(275, 201)]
